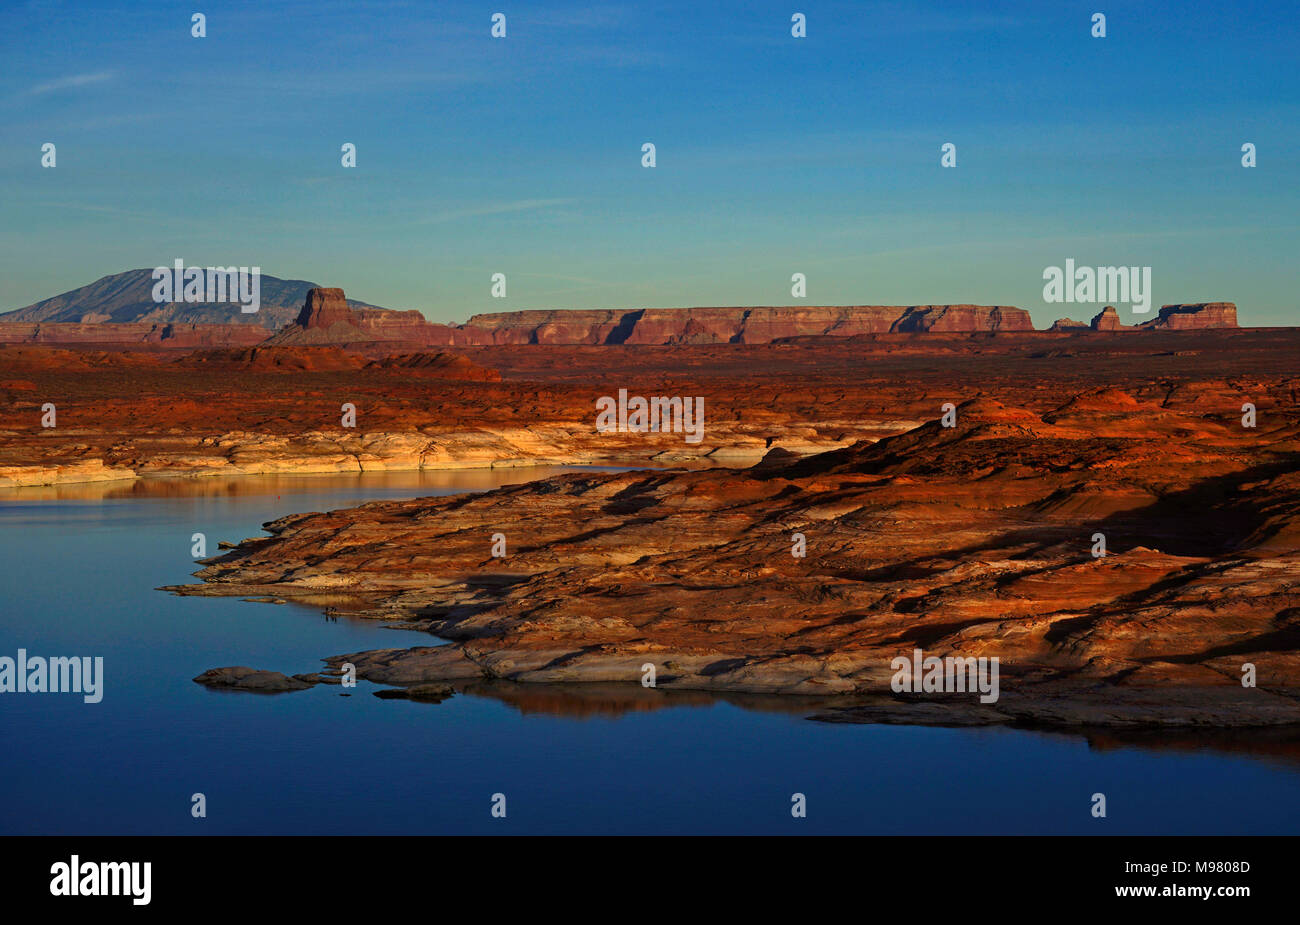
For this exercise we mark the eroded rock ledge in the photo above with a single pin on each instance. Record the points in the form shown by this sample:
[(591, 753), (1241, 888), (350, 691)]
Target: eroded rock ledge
[(974, 540)]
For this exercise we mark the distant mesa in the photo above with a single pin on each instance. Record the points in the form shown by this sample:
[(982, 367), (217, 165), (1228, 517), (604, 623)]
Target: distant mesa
[(963, 318), (1189, 316), (127, 298), (131, 334), (327, 317), (1106, 320), (760, 325), (1194, 316), (119, 311), (324, 308)]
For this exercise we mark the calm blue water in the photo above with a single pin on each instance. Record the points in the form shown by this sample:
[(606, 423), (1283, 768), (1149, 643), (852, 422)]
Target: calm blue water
[(81, 566)]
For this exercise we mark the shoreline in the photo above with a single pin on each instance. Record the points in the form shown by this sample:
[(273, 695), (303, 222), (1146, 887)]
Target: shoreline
[(946, 501), (17, 477), (1054, 705), (579, 605)]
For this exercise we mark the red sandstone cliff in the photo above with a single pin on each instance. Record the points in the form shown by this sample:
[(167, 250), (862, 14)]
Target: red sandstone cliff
[(759, 325), (328, 319), (1189, 316), (1107, 320), (1194, 316), (133, 334)]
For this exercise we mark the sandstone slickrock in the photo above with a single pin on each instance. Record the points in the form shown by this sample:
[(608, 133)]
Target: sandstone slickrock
[(971, 541)]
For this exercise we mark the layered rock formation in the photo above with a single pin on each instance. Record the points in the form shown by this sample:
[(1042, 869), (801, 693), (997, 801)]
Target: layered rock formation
[(577, 326), (735, 325), (1194, 316), (1106, 320), (140, 414), (114, 311), (326, 317), (164, 336), (973, 541)]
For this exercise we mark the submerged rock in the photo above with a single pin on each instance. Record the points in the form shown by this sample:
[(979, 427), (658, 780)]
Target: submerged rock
[(242, 678), (425, 693)]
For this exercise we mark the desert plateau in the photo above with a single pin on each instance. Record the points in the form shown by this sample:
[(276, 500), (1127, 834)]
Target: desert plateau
[(1110, 511), (657, 421)]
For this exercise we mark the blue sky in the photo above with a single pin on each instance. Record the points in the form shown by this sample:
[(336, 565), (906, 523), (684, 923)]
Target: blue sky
[(775, 155)]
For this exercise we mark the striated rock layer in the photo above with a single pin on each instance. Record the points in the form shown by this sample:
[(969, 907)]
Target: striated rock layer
[(1106, 320), (738, 325), (1194, 316), (226, 413), (326, 318), (973, 541), (138, 335)]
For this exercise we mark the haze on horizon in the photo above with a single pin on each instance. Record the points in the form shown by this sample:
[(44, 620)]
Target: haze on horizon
[(775, 155)]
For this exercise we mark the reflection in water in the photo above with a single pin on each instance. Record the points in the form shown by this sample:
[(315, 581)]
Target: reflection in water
[(423, 481), (591, 700), (82, 565), (586, 700), (581, 701), (1280, 745)]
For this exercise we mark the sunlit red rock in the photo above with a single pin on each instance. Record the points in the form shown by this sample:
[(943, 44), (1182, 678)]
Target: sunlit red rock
[(1195, 316)]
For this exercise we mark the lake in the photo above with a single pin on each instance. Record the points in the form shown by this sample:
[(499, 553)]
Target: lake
[(83, 563)]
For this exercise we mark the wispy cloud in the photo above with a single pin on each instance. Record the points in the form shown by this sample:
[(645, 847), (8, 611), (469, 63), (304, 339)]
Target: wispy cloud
[(519, 205), (69, 82)]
